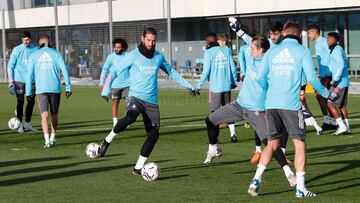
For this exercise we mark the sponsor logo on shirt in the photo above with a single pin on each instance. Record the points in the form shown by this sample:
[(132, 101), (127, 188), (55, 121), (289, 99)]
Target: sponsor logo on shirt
[(283, 57), (148, 70)]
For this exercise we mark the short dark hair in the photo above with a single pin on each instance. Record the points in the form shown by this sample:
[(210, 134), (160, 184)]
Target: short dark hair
[(26, 34), (334, 35), (293, 26), (277, 26), (261, 42), (121, 41), (314, 27), (149, 30), (211, 34)]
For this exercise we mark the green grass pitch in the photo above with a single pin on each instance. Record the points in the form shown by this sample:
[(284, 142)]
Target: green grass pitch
[(30, 173)]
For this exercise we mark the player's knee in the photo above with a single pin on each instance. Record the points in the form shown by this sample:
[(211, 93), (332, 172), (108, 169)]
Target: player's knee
[(131, 117), (209, 123), (153, 135)]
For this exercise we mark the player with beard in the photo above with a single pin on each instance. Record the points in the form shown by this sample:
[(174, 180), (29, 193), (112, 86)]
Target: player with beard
[(143, 64), (120, 86)]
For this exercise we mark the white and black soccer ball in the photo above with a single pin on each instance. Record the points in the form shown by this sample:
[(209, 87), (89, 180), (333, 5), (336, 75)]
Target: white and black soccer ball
[(92, 150), (150, 171), (14, 123)]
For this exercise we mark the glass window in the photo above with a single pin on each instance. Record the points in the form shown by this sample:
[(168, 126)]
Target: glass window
[(354, 33)]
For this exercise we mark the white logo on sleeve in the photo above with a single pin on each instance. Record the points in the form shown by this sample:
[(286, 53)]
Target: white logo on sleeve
[(283, 57), (220, 60)]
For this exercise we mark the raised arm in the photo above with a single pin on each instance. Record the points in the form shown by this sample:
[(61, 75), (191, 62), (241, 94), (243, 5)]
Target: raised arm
[(175, 75)]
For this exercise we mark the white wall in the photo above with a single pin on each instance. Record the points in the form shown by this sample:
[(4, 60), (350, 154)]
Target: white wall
[(154, 9)]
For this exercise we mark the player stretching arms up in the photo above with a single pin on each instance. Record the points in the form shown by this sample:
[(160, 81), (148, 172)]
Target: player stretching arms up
[(120, 86), (143, 64), (250, 105), (282, 70)]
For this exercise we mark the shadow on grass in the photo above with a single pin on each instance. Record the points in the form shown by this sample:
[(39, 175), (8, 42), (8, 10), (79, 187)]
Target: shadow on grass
[(31, 161), (47, 168), (59, 175), (172, 177)]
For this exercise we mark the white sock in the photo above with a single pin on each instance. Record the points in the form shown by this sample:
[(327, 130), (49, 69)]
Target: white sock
[(287, 170), (340, 122), (213, 147), (333, 121), (300, 181), (283, 149), (259, 171), (110, 136), (326, 119), (346, 121), (52, 137), (232, 130), (47, 139), (114, 120), (258, 149), (140, 162)]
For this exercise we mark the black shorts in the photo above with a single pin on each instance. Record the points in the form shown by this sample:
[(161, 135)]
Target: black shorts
[(342, 100), (119, 93), (49, 99), (150, 112), (293, 121), (20, 88), (216, 100)]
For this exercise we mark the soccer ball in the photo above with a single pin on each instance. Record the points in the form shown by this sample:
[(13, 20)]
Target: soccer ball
[(92, 150), (14, 123), (150, 171)]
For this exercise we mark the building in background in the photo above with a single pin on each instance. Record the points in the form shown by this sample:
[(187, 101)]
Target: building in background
[(84, 25)]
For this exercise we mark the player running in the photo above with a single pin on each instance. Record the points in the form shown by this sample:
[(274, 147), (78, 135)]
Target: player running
[(339, 85), (282, 71), (275, 38), (143, 64), (44, 69), (220, 70), (17, 69), (120, 86), (323, 57), (248, 106)]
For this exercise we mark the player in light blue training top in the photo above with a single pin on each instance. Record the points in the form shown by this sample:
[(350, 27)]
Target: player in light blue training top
[(322, 53), (119, 87), (143, 64), (339, 85), (219, 68), (44, 70), (17, 69), (282, 69)]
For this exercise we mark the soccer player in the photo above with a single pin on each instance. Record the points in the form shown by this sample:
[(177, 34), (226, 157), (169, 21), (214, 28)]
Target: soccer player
[(222, 40), (44, 69), (323, 57), (275, 38), (143, 64), (17, 69), (220, 70), (249, 105), (339, 84), (282, 71), (120, 86)]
